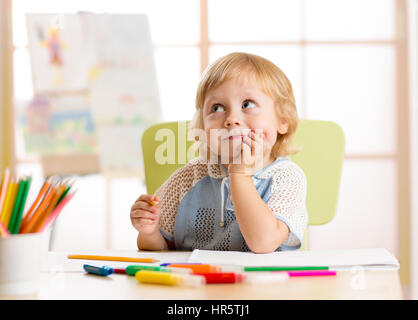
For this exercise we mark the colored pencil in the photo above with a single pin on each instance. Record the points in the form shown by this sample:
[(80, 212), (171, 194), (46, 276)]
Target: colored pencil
[(18, 215), (3, 190), (6, 201), (10, 200), (42, 192), (107, 258), (68, 187), (37, 216), (54, 214), (51, 206), (50, 201), (3, 230), (16, 206)]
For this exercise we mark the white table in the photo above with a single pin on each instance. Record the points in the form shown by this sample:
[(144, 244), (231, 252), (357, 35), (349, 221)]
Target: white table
[(63, 278)]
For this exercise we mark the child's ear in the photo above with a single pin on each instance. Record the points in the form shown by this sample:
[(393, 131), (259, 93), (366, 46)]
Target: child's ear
[(283, 126)]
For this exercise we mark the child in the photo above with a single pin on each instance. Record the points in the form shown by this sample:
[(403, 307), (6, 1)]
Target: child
[(252, 198)]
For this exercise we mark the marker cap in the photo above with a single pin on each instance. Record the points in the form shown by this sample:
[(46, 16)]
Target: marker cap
[(102, 271), (257, 278), (240, 277), (192, 280), (231, 268), (177, 270)]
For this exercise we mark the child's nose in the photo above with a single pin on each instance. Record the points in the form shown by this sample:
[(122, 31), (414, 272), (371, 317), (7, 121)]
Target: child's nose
[(232, 120)]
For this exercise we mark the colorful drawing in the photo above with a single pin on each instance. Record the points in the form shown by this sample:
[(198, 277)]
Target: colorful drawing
[(50, 128), (38, 113), (54, 46), (59, 56), (110, 59)]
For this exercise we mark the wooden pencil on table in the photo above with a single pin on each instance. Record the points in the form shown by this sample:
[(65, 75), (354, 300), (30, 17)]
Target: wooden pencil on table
[(110, 258)]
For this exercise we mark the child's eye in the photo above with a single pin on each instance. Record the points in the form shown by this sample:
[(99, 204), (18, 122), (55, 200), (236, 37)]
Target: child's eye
[(248, 104), (217, 108)]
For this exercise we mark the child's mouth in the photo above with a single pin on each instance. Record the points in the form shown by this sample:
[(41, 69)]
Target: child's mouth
[(235, 137)]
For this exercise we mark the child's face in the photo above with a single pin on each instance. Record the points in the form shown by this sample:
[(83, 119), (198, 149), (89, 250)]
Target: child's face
[(236, 108)]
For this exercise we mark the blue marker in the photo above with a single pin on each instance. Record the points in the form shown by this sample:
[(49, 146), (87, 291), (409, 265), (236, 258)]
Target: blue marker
[(101, 271)]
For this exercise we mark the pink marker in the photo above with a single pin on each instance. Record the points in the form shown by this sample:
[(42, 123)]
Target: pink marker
[(317, 273)]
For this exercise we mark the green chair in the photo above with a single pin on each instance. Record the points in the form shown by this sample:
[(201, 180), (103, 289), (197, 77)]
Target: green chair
[(321, 157)]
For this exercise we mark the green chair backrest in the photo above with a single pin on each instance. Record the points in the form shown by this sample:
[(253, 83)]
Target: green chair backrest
[(321, 157), (164, 137)]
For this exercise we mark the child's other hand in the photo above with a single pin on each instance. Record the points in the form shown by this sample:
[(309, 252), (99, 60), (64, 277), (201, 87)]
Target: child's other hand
[(145, 214)]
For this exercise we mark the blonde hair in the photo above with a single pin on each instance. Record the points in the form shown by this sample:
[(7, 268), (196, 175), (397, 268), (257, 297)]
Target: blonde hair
[(272, 80)]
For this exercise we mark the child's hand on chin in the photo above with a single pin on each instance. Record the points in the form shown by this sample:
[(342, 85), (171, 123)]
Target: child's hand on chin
[(251, 157)]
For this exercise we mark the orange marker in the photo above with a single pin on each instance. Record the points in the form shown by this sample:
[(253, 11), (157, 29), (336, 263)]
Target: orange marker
[(198, 268)]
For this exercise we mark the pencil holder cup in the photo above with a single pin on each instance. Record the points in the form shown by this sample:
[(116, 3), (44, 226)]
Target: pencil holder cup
[(21, 258)]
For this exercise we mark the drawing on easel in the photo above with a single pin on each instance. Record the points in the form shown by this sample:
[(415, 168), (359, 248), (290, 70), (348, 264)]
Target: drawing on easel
[(95, 76), (58, 53), (59, 126)]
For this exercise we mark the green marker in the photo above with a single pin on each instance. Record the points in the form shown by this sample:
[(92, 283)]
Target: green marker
[(284, 268), (131, 270)]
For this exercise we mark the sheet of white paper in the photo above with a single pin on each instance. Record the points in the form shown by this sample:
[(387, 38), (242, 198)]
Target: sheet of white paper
[(370, 257)]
